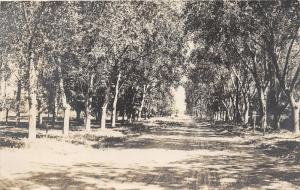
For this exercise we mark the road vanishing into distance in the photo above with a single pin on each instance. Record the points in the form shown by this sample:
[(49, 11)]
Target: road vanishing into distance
[(173, 153)]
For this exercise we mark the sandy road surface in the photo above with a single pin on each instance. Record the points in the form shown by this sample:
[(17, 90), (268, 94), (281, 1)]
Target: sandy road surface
[(170, 154)]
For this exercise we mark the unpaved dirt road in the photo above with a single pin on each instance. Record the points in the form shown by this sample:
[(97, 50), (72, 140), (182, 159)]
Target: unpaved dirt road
[(168, 154)]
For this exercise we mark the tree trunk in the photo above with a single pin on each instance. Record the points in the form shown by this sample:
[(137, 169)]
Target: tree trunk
[(104, 108), (32, 88), (123, 117), (230, 109), (2, 96), (54, 113), (66, 120), (132, 108), (246, 116), (5, 103), (226, 114), (246, 112), (66, 107), (78, 112), (254, 120), (114, 111), (276, 121), (264, 114), (18, 103), (145, 116), (40, 117), (277, 116), (87, 120), (103, 115), (88, 101), (142, 102), (6, 116), (236, 107), (129, 117), (1, 115), (97, 115), (295, 113), (48, 114), (46, 125), (296, 119)]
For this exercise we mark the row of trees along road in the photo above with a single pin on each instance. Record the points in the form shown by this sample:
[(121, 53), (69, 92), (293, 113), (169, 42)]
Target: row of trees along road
[(241, 60), (245, 61), (89, 57)]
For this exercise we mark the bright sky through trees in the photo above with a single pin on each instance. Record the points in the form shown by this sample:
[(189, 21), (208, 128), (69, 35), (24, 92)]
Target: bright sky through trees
[(179, 98)]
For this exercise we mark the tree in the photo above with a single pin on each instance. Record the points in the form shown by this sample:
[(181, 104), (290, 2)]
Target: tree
[(28, 27)]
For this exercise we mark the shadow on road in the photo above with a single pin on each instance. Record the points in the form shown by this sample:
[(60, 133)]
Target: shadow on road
[(195, 156)]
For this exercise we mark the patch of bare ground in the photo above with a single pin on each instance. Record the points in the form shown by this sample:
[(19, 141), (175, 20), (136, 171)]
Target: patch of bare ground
[(282, 144)]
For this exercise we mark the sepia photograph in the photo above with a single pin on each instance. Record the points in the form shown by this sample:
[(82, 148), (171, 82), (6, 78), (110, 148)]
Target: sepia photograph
[(150, 95)]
